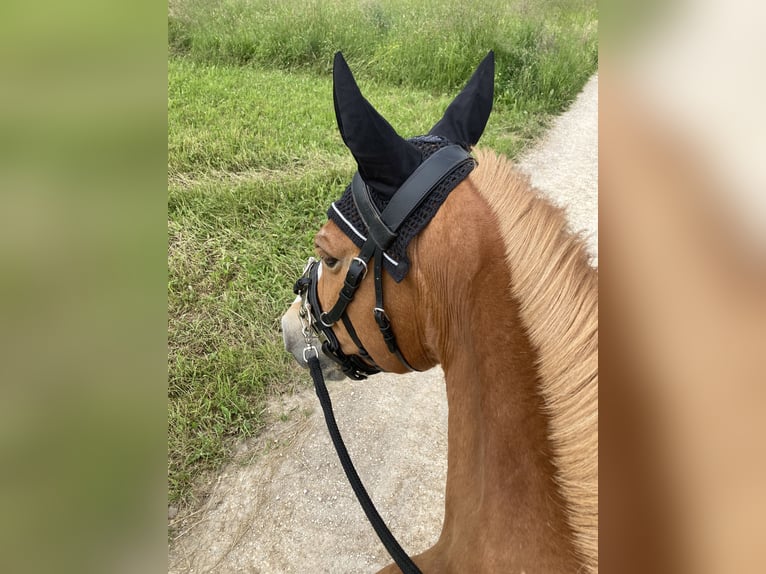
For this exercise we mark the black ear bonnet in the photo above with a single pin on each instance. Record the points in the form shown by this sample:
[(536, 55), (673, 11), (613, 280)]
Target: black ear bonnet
[(344, 213), (386, 160)]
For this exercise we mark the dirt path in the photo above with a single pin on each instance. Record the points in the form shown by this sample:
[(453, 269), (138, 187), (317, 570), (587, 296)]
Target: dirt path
[(286, 507)]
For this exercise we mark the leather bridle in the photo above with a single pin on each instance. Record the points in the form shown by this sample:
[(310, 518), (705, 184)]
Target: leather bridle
[(354, 366), (382, 230)]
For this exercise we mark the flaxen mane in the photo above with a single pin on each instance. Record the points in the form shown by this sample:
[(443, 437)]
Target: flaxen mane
[(557, 292)]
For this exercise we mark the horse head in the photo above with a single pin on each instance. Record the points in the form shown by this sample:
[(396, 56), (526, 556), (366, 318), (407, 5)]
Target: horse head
[(372, 243)]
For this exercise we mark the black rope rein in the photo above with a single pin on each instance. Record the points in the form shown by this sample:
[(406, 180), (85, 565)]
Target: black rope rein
[(401, 558)]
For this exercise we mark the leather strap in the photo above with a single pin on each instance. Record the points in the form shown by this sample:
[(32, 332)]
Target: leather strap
[(355, 366), (354, 276), (355, 338), (381, 317), (382, 227), (422, 181), (377, 230)]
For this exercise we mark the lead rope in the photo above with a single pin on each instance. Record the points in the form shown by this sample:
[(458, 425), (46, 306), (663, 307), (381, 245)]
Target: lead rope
[(401, 558)]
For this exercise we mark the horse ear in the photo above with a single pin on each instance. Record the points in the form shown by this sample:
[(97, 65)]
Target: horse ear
[(385, 159), (466, 117)]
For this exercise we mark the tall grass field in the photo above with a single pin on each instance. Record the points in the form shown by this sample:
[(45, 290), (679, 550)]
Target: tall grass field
[(255, 158)]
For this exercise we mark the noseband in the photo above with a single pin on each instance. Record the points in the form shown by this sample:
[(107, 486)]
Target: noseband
[(311, 316), (382, 230)]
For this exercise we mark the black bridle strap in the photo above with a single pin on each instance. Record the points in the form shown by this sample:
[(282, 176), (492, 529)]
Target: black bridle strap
[(382, 227), (355, 338), (381, 317), (356, 272), (401, 558), (355, 366)]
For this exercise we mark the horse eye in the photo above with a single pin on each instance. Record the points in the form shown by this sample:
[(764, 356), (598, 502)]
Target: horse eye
[(330, 261)]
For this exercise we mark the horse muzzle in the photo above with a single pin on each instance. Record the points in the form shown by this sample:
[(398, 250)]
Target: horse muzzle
[(296, 343)]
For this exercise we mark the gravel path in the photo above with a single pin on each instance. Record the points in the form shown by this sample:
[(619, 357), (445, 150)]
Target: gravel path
[(565, 164), (285, 505)]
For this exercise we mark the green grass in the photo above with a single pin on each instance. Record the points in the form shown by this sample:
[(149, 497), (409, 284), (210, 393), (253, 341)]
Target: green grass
[(544, 50), (240, 119), (254, 159), (233, 252)]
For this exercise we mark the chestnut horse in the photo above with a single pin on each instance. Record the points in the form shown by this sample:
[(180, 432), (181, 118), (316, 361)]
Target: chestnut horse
[(501, 294)]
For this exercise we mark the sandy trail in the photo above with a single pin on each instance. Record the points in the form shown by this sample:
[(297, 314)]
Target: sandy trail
[(285, 505)]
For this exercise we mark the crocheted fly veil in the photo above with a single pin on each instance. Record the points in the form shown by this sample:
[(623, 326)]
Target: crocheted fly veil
[(385, 159)]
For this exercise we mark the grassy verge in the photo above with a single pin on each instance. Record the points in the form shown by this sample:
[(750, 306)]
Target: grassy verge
[(233, 253), (254, 159), (544, 49)]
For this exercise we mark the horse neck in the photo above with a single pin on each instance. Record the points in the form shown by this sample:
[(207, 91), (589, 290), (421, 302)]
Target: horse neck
[(501, 500)]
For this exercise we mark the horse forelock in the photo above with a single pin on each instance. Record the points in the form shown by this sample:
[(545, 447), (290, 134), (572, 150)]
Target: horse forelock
[(557, 292)]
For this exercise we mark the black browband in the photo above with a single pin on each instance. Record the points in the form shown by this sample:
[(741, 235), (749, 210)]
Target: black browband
[(382, 230)]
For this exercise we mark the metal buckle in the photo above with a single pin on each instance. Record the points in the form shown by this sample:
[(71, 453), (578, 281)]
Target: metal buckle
[(307, 350), (381, 317), (325, 323), (364, 264)]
